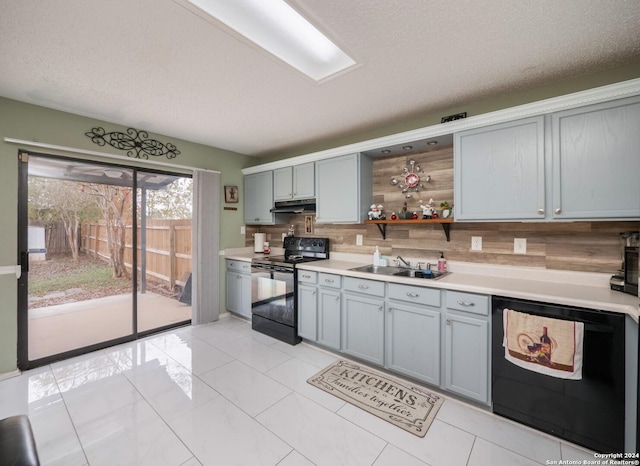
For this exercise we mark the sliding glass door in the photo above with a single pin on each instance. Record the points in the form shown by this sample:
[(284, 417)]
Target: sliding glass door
[(105, 254)]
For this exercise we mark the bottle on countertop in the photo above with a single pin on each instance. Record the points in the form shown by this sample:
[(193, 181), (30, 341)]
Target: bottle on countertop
[(376, 256), (442, 263)]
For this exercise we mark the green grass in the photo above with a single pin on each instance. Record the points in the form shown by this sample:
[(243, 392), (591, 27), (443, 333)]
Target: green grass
[(88, 276)]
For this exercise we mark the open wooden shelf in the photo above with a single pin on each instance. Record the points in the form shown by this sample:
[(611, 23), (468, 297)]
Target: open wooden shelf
[(382, 224)]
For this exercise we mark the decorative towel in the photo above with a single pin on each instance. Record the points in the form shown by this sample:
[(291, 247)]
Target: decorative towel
[(542, 344)]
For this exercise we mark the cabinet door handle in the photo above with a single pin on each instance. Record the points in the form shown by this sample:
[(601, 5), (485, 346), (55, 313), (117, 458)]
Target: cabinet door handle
[(379, 308), (390, 309), (448, 321), (328, 280), (466, 303), (238, 278), (558, 210), (313, 292), (306, 276), (337, 298), (412, 295), (541, 211), (363, 287)]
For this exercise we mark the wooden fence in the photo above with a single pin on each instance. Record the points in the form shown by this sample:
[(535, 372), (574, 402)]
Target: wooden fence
[(167, 247)]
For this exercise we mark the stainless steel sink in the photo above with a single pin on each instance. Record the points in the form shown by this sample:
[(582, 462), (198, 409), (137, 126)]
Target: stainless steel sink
[(377, 269), (399, 272)]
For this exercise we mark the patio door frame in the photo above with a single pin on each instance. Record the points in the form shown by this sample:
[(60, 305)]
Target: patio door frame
[(23, 260)]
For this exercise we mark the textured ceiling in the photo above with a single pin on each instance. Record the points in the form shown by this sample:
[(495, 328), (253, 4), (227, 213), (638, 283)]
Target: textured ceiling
[(155, 65)]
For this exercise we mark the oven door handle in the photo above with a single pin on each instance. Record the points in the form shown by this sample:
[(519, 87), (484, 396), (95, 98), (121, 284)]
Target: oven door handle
[(282, 270), (272, 268)]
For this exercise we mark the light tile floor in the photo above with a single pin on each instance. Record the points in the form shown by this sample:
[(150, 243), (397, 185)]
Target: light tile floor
[(221, 394)]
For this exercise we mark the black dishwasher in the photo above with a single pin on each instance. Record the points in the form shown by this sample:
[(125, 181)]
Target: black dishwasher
[(589, 411)]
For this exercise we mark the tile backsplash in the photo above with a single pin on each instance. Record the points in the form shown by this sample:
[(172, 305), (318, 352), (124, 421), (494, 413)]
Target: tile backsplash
[(576, 246)]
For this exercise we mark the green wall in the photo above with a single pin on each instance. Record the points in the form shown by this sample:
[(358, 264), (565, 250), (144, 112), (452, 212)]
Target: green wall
[(32, 123)]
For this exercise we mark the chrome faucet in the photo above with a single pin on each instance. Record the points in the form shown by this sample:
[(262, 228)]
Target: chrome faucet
[(407, 264)]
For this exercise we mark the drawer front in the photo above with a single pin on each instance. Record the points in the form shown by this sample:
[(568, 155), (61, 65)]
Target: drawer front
[(467, 302), (415, 294), (330, 280), (306, 276), (239, 266), (360, 285)]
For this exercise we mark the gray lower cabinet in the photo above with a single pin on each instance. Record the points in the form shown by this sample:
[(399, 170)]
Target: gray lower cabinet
[(308, 312), (413, 332), (238, 292), (307, 305), (329, 317), (466, 349), (441, 337), (363, 327), (413, 341)]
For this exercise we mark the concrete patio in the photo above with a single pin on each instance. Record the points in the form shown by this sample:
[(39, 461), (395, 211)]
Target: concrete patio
[(65, 327)]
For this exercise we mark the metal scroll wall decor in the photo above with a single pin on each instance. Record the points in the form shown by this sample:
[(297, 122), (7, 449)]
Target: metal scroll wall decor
[(136, 143)]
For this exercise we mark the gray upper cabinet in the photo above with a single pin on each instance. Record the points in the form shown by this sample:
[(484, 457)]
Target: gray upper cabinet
[(258, 198), (344, 189), (587, 170), (499, 172), (296, 182), (596, 161)]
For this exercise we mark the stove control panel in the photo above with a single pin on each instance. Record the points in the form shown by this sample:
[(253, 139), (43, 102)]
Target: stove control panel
[(297, 245)]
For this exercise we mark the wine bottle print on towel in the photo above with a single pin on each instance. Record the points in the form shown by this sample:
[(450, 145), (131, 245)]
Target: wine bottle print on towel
[(542, 344), (539, 348)]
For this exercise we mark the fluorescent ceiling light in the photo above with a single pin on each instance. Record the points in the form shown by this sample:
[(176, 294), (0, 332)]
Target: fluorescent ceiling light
[(282, 31)]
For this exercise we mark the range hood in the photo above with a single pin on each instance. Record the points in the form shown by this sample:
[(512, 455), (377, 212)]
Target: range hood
[(294, 207)]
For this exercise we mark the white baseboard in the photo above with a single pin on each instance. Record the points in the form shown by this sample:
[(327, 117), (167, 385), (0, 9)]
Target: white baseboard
[(9, 375)]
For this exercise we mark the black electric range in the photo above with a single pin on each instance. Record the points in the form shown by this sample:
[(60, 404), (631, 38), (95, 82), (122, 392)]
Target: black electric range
[(274, 304)]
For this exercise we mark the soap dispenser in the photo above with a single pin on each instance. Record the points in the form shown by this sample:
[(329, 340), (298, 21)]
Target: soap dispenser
[(442, 263), (376, 257)]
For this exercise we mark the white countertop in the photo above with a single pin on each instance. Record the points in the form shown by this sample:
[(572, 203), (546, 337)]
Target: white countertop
[(578, 289)]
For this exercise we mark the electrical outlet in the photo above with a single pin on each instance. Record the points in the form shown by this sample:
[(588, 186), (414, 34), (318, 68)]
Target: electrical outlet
[(284, 235), (476, 243), (358, 240), (520, 245), (242, 230)]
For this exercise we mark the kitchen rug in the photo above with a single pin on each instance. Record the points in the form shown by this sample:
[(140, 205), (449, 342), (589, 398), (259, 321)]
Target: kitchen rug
[(399, 402)]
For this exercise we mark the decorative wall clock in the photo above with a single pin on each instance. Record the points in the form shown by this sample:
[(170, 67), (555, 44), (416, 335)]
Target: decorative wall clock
[(409, 180)]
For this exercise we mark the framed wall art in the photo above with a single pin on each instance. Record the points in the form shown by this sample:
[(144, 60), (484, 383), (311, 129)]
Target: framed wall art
[(231, 194)]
